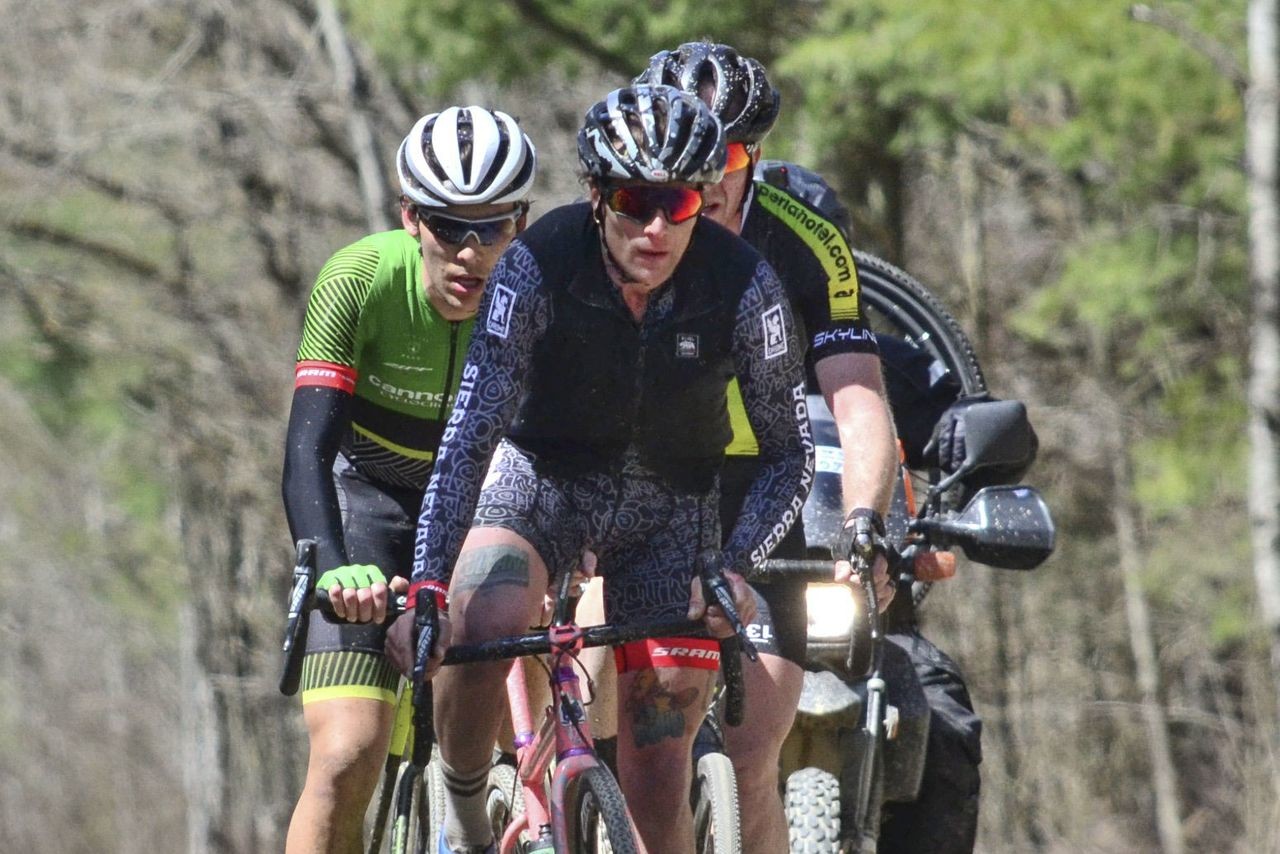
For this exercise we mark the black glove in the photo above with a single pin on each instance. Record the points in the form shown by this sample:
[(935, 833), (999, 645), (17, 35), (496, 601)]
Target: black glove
[(946, 448), (863, 534)]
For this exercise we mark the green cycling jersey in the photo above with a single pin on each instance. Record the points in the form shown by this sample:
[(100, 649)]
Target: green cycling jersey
[(371, 331)]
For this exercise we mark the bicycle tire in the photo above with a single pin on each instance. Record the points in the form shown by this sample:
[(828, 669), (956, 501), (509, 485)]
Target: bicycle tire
[(905, 307), (410, 826), (717, 823), (504, 800), (433, 784), (597, 815), (813, 812)]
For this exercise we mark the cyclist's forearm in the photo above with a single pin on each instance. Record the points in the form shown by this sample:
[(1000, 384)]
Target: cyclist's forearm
[(852, 386), (470, 438), (316, 423)]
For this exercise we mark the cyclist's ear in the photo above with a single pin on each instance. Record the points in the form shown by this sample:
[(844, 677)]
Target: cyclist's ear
[(409, 216)]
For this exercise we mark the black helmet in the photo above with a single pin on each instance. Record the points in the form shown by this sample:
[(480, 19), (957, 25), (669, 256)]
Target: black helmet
[(649, 133), (740, 93)]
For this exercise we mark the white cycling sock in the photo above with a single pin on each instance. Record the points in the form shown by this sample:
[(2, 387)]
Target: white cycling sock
[(466, 821)]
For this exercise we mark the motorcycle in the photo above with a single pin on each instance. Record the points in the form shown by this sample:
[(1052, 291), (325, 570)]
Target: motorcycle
[(862, 726)]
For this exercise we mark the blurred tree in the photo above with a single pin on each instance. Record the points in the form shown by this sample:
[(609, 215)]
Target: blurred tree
[(1263, 149)]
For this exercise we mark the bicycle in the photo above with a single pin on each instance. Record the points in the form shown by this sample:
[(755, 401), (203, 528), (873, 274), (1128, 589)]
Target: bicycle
[(575, 805), (569, 800), (409, 752)]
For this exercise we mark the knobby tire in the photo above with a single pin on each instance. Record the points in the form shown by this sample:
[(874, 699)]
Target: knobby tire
[(598, 814), (716, 818)]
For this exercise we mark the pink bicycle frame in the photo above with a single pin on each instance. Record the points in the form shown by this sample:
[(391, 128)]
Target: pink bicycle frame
[(564, 729)]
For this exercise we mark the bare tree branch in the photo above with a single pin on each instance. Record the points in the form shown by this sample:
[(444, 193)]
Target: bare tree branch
[(352, 91), (1218, 54), (576, 38)]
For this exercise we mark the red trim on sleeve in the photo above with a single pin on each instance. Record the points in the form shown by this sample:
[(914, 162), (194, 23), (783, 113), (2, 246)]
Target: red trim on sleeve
[(327, 374), (698, 653)]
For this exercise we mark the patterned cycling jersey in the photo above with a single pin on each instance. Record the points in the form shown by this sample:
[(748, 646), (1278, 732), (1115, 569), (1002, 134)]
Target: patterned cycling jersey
[(815, 265), (558, 359), (370, 331)]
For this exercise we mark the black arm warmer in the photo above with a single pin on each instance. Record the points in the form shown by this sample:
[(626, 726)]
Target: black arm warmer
[(317, 422)]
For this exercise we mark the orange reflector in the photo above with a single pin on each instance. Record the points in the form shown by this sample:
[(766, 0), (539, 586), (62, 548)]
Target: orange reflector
[(934, 566)]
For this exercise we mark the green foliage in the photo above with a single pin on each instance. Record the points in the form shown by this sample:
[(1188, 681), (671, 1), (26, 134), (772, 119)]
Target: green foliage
[(1198, 459), (457, 41), (1121, 107)]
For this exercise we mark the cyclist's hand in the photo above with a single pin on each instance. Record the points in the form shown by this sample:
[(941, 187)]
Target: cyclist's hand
[(885, 588), (947, 446), (358, 592), (863, 536), (717, 623), (400, 647)]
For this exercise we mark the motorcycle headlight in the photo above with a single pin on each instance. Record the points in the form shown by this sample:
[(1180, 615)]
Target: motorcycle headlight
[(832, 611)]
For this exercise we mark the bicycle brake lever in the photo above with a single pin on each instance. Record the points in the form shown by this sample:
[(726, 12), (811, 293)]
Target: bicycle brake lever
[(713, 580), (426, 624)]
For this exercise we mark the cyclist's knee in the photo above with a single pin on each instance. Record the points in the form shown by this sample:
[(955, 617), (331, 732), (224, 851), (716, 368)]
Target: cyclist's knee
[(476, 620), (348, 745)]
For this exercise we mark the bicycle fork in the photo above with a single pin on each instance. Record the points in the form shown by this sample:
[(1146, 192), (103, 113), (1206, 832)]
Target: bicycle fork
[(563, 735)]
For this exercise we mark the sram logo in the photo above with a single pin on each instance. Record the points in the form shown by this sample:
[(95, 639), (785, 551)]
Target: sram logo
[(686, 652)]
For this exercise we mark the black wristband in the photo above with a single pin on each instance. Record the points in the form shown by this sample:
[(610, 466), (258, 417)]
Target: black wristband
[(877, 521)]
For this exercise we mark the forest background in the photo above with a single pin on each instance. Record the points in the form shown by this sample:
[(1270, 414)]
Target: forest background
[(1071, 178)]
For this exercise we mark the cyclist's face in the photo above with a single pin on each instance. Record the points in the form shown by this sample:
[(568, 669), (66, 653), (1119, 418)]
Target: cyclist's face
[(722, 202), (454, 274), (647, 252)]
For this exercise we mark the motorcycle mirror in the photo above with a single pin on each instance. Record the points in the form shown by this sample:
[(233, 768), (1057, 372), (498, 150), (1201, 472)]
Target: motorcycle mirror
[(997, 433), (1002, 526)]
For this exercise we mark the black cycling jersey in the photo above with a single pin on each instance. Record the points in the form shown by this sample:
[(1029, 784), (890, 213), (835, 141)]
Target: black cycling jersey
[(549, 290), (815, 264), (816, 267)]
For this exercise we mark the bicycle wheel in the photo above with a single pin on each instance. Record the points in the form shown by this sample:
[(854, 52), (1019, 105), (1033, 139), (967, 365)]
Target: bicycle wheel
[(813, 812), (433, 784), (505, 799), (899, 305), (597, 815), (411, 825), (716, 823)]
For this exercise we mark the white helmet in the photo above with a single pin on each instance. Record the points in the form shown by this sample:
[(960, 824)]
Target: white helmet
[(465, 156)]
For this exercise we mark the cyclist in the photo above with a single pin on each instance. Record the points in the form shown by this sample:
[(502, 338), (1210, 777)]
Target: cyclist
[(943, 819), (377, 370), (816, 267), (596, 383)]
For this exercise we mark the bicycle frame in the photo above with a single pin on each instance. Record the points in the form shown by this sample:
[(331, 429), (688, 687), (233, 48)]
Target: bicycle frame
[(564, 734)]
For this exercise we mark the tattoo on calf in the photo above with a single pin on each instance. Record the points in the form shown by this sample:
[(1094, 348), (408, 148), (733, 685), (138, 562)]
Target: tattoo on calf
[(491, 566)]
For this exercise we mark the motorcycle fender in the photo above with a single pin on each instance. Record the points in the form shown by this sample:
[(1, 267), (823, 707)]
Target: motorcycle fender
[(904, 756), (828, 701)]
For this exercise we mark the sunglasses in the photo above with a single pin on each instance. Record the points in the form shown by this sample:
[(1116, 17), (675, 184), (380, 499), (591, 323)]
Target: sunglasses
[(641, 204), (486, 230), (737, 157)]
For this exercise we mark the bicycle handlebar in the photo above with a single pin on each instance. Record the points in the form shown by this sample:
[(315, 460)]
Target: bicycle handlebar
[(538, 642)]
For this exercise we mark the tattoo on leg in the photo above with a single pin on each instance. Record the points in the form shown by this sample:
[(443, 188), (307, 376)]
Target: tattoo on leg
[(657, 713), (491, 566)]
